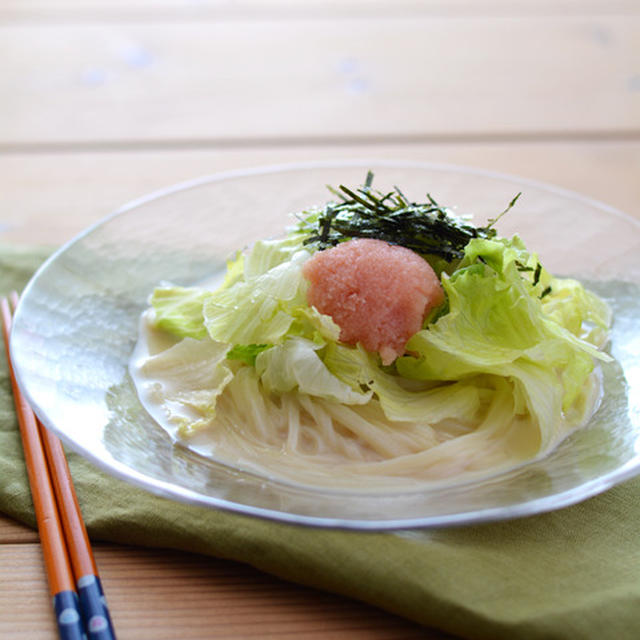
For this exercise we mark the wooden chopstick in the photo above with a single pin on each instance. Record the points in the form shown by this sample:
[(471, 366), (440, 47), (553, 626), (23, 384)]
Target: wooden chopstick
[(61, 583), (93, 605), (79, 604)]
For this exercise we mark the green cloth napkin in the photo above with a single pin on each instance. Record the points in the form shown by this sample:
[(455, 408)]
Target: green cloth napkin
[(574, 573)]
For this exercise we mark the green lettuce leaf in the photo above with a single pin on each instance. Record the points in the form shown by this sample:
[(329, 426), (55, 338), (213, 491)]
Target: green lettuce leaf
[(186, 380), (261, 299), (257, 309), (295, 364), (497, 324), (578, 310), (246, 353), (178, 310), (423, 403)]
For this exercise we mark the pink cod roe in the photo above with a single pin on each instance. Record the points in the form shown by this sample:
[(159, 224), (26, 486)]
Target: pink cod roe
[(377, 293)]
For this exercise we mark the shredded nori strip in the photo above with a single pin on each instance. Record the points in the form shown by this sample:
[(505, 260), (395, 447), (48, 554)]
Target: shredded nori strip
[(427, 228)]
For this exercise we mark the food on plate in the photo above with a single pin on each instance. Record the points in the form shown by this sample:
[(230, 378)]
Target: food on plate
[(381, 342), (348, 281)]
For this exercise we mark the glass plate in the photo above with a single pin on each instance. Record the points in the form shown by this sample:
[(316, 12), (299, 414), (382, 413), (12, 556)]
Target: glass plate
[(77, 323)]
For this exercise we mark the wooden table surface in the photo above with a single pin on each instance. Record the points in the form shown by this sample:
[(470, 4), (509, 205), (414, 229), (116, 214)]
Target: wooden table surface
[(105, 100)]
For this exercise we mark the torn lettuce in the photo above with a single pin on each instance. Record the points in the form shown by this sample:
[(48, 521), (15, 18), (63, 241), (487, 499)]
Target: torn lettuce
[(505, 318)]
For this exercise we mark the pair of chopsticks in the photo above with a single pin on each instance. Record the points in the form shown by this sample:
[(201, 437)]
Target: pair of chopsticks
[(78, 599)]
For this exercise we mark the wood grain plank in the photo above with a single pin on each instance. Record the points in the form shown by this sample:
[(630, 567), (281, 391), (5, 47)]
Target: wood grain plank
[(48, 198), (271, 81), (164, 595), (13, 532), (43, 10)]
